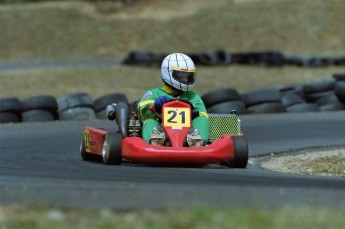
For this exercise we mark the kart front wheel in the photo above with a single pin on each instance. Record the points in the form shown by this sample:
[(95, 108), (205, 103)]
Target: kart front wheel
[(83, 153), (111, 150), (240, 159)]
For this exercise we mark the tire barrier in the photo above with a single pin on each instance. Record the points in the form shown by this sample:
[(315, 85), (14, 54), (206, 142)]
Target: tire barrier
[(270, 58), (77, 106), (218, 96), (39, 109), (340, 90), (102, 102), (10, 110), (311, 96)]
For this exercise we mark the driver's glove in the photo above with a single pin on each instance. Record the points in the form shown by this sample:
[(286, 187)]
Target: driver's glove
[(195, 113), (159, 103), (110, 111)]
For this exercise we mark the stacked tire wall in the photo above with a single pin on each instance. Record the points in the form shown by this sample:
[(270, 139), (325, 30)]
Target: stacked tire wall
[(78, 106), (39, 108), (42, 108), (270, 58), (10, 110), (312, 96)]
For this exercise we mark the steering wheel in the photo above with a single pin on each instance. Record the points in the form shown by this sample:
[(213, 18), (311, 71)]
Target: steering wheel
[(183, 100)]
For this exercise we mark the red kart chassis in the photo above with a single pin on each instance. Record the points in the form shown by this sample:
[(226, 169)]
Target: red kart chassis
[(230, 150)]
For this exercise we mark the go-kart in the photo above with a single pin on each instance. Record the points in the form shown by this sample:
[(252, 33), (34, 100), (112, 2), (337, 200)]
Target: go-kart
[(227, 145)]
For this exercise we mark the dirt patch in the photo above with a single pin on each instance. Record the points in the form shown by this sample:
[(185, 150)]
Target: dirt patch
[(328, 162)]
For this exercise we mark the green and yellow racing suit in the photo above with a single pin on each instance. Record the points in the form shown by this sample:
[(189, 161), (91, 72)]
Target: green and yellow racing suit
[(150, 120)]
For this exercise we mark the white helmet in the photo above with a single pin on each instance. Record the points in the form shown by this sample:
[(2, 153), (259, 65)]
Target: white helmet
[(178, 71)]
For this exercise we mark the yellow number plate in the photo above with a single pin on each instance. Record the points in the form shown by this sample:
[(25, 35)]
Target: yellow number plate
[(87, 141), (176, 117)]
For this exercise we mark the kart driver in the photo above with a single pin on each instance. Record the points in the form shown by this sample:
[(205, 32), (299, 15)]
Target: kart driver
[(178, 74)]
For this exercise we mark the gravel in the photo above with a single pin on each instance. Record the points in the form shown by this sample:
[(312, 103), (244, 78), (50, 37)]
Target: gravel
[(321, 162)]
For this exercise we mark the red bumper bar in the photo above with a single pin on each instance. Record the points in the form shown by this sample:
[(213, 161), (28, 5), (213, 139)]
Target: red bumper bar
[(137, 150)]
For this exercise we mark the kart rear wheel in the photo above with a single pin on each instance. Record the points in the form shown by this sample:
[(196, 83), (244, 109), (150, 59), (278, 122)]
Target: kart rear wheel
[(240, 159), (111, 150)]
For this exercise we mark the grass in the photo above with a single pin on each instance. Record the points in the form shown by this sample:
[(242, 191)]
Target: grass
[(73, 30), (199, 217)]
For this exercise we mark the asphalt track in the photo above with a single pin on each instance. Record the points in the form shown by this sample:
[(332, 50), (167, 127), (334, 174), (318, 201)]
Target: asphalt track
[(22, 66), (40, 163)]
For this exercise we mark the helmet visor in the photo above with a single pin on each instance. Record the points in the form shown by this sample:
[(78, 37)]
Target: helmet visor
[(184, 77)]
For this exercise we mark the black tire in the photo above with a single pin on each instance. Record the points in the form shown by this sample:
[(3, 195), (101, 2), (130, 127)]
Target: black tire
[(41, 102), (263, 108), (263, 95), (157, 60), (240, 159), (223, 57), (318, 62), (313, 97), (102, 114), (291, 89), (138, 58), (78, 113), (102, 102), (317, 86), (74, 100), (327, 100), (10, 105), (194, 57), (265, 58), (111, 151), (38, 116), (339, 76), (333, 107), (272, 58), (228, 107), (340, 61), (9, 117), (221, 95), (207, 59), (291, 99), (296, 61), (339, 90), (303, 107)]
